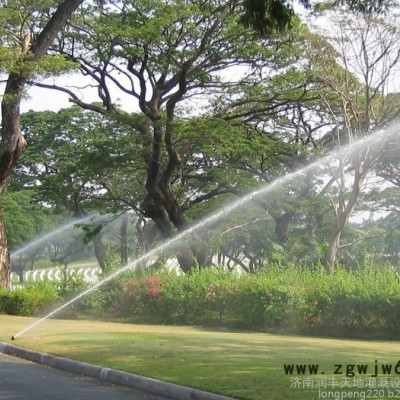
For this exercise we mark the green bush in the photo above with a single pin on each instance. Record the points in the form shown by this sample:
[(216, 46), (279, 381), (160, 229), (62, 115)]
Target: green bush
[(3, 294), (29, 301), (358, 303), (103, 302), (361, 303), (206, 296), (345, 303), (71, 283)]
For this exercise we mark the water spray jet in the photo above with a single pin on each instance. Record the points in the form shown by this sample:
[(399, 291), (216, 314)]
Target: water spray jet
[(378, 139), (51, 234)]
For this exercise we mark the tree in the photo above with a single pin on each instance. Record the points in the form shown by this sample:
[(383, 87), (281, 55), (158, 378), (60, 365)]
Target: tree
[(351, 97), (85, 162), (276, 124), (26, 41), (24, 220), (265, 15), (82, 162), (160, 55), (353, 72)]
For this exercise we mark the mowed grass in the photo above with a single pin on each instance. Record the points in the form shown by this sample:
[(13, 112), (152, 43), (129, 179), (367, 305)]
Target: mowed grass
[(238, 364)]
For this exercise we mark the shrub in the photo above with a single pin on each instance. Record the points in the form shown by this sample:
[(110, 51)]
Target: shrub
[(361, 303), (29, 301), (357, 303), (140, 296), (102, 302), (206, 296), (3, 294), (71, 283)]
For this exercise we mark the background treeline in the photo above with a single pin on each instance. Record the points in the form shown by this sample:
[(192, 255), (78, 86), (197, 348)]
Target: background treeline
[(245, 240), (192, 117)]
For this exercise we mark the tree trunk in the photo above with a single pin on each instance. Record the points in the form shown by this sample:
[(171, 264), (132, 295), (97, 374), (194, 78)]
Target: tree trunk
[(156, 208), (186, 258), (363, 164), (4, 255), (22, 261), (282, 227), (100, 251), (124, 239), (160, 203), (20, 273), (12, 143), (333, 249)]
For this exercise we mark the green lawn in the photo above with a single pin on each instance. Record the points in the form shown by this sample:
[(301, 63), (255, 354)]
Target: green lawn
[(238, 364)]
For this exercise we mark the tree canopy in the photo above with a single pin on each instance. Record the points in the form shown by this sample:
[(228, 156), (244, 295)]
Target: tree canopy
[(196, 108)]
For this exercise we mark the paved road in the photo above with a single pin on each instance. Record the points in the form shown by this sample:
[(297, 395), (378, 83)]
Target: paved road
[(24, 380)]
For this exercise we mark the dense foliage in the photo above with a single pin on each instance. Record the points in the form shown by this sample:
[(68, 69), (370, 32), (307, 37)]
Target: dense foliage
[(363, 303), (280, 299), (195, 108), (31, 300)]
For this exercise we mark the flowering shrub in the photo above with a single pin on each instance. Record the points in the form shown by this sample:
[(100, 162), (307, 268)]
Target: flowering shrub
[(140, 296)]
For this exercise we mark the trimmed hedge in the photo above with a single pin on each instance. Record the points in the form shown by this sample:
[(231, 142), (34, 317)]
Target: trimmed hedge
[(351, 304), (31, 300), (290, 300)]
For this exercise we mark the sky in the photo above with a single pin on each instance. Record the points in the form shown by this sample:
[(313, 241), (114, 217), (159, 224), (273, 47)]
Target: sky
[(39, 99)]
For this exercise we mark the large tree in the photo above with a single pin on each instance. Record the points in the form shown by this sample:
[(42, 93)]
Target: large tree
[(28, 30), (82, 162), (159, 55), (353, 70)]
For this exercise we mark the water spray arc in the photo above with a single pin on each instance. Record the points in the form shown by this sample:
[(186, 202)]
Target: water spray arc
[(377, 140), (49, 235)]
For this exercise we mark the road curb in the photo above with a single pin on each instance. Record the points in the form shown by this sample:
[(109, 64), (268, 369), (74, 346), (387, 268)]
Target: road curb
[(110, 375)]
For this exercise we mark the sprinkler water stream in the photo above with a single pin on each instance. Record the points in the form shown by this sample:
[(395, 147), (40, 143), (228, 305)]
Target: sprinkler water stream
[(50, 235), (375, 141)]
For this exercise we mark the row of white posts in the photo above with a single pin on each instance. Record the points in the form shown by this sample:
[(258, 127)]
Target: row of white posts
[(90, 275)]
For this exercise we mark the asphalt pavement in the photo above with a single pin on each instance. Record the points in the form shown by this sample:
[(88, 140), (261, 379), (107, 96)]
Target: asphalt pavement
[(29, 374), (26, 380)]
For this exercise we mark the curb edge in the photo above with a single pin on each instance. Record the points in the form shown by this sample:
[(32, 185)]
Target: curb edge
[(110, 375)]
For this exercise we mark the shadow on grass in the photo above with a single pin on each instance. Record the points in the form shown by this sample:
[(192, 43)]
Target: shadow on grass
[(234, 363)]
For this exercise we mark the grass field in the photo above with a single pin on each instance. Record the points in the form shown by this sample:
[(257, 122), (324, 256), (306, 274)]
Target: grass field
[(238, 364)]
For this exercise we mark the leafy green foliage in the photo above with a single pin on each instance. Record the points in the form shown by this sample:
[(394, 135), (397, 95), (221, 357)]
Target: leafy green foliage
[(346, 303), (70, 283), (8, 58), (24, 219), (195, 299), (20, 23), (361, 303), (260, 128), (267, 16), (82, 160), (28, 301)]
